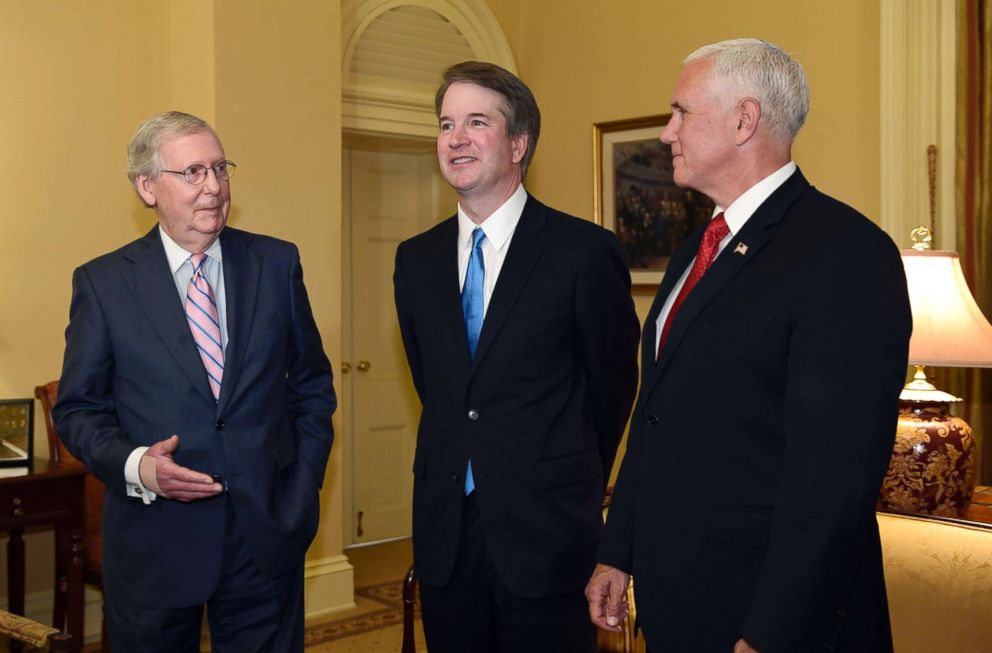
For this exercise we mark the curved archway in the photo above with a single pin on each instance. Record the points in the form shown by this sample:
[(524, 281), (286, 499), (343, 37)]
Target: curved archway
[(395, 51)]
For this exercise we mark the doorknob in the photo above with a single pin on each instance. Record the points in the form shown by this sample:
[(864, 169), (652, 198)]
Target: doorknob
[(345, 367), (363, 366)]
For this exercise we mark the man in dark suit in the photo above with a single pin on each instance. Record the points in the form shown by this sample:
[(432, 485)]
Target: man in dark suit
[(521, 337), (744, 507), (196, 388)]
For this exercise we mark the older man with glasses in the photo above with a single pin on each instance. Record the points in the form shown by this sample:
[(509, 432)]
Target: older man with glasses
[(195, 386)]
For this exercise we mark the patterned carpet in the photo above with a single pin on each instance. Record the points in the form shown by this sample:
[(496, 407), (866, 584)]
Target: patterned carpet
[(389, 595)]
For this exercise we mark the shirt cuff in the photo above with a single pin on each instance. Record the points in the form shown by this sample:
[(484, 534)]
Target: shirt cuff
[(132, 475)]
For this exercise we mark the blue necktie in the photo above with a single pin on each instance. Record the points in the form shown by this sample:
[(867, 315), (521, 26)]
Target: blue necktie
[(472, 303)]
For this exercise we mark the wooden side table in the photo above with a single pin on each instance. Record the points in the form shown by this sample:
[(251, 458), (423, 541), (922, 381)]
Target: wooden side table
[(52, 495), (980, 510)]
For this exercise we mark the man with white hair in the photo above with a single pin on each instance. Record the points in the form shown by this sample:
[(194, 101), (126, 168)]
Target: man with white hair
[(772, 362)]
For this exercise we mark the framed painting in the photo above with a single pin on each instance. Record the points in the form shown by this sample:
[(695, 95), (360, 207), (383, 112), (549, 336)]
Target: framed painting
[(16, 433), (636, 197)]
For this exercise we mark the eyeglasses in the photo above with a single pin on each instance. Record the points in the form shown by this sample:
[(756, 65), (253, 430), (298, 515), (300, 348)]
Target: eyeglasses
[(197, 173)]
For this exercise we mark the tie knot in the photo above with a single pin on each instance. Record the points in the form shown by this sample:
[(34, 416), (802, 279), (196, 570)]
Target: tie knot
[(478, 235), (197, 260), (717, 229)]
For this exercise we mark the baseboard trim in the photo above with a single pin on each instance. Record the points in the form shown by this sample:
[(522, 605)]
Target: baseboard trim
[(328, 585)]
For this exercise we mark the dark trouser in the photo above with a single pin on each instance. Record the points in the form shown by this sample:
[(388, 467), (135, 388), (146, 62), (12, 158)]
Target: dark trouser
[(248, 612), (475, 613)]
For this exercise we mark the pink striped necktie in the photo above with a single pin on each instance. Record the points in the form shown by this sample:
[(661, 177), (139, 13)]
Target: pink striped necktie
[(204, 322)]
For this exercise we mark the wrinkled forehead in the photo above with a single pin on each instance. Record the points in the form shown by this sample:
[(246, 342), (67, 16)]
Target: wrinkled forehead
[(189, 143)]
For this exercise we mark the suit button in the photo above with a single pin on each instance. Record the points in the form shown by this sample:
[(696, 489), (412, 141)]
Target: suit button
[(456, 476), (219, 425), (653, 420), (473, 414)]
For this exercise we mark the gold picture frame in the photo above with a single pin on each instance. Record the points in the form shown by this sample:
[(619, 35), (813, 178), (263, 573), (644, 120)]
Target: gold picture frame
[(636, 197), (16, 434)]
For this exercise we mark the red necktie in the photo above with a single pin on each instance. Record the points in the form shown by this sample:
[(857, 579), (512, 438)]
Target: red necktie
[(716, 230)]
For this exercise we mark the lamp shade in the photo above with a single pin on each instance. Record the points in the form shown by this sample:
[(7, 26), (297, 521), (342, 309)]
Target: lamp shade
[(949, 329)]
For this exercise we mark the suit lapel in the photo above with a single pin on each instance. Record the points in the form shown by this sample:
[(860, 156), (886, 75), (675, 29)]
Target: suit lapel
[(154, 288), (446, 300), (526, 247), (755, 234), (242, 269), (676, 268)]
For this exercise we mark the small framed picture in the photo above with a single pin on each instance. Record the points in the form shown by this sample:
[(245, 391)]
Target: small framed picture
[(636, 196), (16, 433)]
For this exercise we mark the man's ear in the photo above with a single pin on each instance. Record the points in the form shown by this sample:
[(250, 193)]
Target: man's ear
[(749, 115), (518, 145), (143, 184)]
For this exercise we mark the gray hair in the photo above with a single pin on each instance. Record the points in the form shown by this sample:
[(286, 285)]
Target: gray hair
[(765, 70), (142, 151)]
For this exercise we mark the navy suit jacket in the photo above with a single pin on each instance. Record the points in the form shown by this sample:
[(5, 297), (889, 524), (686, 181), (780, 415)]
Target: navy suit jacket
[(549, 390), (745, 503), (132, 376)]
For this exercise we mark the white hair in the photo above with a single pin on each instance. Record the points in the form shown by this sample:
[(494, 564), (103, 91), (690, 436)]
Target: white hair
[(767, 72)]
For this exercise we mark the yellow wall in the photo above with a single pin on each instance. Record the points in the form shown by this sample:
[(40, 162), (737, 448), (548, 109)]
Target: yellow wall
[(589, 61), (78, 77)]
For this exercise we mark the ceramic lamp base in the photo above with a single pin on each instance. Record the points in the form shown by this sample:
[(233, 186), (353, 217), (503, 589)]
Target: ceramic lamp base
[(932, 470)]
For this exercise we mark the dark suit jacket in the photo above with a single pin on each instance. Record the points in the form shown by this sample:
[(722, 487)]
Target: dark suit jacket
[(132, 376), (552, 382), (745, 503)]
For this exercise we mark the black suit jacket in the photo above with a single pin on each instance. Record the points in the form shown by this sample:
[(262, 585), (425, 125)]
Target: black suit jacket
[(132, 376), (745, 503), (552, 383)]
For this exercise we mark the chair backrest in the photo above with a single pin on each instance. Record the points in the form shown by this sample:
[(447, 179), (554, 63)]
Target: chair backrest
[(93, 562), (57, 452)]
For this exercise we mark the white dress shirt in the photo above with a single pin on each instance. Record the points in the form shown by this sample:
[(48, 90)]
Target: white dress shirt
[(182, 272), (499, 228), (738, 213)]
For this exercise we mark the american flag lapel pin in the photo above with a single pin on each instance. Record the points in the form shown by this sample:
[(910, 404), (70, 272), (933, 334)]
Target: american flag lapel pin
[(741, 249)]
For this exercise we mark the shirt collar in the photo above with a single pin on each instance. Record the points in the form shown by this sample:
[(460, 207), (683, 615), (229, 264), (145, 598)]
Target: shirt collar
[(742, 208), (177, 255), (498, 226)]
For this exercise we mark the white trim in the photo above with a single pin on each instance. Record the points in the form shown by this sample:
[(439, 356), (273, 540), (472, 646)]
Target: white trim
[(363, 545), (370, 105), (328, 586), (917, 101)]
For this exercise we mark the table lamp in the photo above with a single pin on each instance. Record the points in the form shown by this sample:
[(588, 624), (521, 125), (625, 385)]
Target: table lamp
[(932, 470)]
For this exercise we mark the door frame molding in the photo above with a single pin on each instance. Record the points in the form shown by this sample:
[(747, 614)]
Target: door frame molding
[(376, 105)]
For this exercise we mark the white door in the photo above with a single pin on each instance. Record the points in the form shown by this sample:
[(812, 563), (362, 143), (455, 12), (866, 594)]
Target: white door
[(392, 191)]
